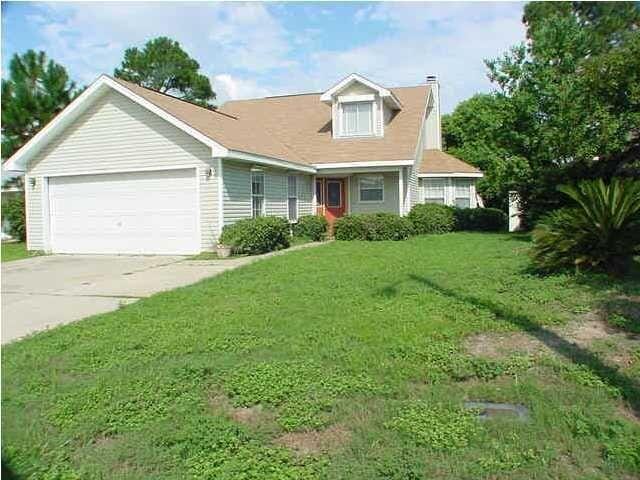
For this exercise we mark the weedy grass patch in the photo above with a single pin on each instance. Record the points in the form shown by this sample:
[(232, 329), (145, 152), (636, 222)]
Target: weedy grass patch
[(352, 352)]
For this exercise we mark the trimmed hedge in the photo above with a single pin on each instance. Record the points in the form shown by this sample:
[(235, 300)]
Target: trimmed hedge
[(432, 218), (372, 227), (14, 213), (480, 219), (313, 227), (256, 235)]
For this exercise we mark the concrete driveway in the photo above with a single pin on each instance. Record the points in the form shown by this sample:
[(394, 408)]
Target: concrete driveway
[(42, 292)]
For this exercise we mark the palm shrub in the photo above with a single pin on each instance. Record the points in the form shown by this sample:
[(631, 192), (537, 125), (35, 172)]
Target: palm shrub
[(601, 232)]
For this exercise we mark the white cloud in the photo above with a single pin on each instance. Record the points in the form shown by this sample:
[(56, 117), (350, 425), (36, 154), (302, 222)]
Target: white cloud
[(247, 50), (231, 88)]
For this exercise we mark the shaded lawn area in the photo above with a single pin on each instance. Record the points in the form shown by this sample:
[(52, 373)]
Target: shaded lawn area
[(342, 361), (16, 251)]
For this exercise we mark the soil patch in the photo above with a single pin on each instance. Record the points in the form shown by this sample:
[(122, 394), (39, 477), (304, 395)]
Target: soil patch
[(314, 442)]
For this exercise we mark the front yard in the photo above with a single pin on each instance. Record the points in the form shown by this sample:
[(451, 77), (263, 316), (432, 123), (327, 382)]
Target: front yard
[(15, 251), (349, 360)]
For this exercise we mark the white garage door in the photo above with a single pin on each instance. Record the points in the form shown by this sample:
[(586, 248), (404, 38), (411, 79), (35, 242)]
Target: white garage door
[(141, 212)]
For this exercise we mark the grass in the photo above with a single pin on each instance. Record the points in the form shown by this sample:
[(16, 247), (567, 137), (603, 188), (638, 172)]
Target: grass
[(362, 338), (16, 251)]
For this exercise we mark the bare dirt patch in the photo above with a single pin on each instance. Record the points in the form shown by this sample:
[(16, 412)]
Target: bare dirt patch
[(314, 442), (580, 333), (253, 416)]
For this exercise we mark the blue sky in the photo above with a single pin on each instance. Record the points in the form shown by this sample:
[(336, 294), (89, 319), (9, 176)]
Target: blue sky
[(258, 49)]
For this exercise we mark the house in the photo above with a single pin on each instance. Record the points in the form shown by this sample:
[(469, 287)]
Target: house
[(124, 169)]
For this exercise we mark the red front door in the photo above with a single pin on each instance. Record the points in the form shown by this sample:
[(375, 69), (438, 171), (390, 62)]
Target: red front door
[(331, 195)]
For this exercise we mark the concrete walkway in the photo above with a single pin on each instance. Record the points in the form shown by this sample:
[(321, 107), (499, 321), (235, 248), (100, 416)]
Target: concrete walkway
[(42, 292)]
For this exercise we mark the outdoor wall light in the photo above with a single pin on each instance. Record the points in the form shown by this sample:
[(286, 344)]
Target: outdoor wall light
[(32, 182), (209, 173)]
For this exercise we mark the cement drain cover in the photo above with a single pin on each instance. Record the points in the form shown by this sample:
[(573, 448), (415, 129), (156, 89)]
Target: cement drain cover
[(490, 410)]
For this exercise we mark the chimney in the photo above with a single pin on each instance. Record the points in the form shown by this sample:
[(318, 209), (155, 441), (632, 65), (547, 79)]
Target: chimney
[(433, 129), (432, 79)]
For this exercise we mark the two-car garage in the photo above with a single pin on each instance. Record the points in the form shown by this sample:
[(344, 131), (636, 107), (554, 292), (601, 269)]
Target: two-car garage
[(149, 212)]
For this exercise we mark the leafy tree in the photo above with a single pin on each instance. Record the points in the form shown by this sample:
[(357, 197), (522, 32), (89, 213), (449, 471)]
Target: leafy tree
[(35, 91), (164, 66), (571, 94), (483, 131)]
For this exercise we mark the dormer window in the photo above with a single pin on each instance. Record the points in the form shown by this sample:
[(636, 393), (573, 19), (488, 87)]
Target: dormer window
[(357, 119), (359, 107)]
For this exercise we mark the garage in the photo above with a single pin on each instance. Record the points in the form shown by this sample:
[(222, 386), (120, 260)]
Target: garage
[(151, 212)]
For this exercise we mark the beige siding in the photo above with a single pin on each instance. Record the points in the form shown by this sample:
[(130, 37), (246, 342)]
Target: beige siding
[(305, 195), (116, 134), (390, 203), (237, 192), (33, 199)]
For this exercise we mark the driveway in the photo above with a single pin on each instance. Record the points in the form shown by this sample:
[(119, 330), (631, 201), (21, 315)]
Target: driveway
[(42, 292)]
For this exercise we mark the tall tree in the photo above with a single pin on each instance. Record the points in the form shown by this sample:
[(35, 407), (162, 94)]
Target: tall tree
[(576, 85), (35, 91), (483, 131), (164, 66)]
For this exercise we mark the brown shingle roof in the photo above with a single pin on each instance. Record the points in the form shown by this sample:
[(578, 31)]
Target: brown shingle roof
[(437, 161), (303, 123), (242, 134), (297, 128)]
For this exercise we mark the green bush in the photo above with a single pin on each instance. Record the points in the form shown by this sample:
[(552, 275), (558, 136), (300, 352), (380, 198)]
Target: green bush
[(256, 235), (480, 219), (13, 214), (373, 227), (313, 227), (601, 232), (432, 218)]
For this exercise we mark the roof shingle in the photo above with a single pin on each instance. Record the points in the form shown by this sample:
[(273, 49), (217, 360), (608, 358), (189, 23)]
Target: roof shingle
[(437, 161)]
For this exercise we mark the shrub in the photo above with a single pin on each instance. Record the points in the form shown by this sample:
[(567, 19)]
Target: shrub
[(13, 214), (313, 227), (432, 218), (256, 235), (373, 227), (601, 232), (481, 219)]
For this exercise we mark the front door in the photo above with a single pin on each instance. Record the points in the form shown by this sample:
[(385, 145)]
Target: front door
[(334, 199)]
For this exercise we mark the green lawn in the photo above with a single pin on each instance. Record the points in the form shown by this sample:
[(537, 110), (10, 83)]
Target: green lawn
[(350, 360), (16, 251)]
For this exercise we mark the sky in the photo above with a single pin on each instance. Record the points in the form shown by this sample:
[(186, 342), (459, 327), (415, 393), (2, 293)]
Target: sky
[(253, 50)]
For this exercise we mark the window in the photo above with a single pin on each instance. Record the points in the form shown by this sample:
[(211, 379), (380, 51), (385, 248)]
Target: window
[(372, 188), (462, 193), (293, 198), (334, 194), (357, 118), (257, 194), (434, 190)]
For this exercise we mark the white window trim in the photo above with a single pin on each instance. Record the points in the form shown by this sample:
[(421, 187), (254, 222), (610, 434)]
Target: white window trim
[(264, 191), (360, 178), (455, 192), (289, 197), (372, 120)]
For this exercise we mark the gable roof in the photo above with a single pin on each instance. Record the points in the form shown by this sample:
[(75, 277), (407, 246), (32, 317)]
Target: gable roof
[(303, 123), (290, 131), (385, 94), (438, 163), (240, 134)]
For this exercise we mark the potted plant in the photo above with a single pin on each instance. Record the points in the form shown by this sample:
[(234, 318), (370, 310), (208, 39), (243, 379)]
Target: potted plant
[(223, 251)]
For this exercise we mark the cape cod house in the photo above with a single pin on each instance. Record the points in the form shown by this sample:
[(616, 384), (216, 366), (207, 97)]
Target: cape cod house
[(125, 169)]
